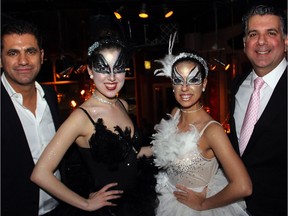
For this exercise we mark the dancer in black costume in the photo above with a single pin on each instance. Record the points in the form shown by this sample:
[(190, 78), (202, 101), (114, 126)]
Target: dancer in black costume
[(110, 143)]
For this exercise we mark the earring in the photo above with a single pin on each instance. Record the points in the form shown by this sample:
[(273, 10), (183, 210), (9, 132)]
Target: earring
[(203, 89), (91, 76), (173, 90)]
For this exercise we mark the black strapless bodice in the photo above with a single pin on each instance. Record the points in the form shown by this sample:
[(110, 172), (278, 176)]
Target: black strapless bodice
[(112, 157)]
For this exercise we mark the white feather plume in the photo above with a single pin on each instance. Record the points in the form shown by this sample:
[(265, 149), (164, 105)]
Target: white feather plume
[(168, 60)]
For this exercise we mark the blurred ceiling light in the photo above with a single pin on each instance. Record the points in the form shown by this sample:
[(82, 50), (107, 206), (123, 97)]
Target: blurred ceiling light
[(143, 13), (167, 13), (82, 92), (225, 66), (73, 103), (67, 72), (147, 65), (127, 69), (117, 13), (211, 66), (81, 69)]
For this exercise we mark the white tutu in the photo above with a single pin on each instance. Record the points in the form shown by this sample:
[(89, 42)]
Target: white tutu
[(169, 206)]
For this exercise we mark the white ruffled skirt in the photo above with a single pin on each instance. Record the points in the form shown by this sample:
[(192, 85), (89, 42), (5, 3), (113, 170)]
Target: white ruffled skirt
[(169, 206)]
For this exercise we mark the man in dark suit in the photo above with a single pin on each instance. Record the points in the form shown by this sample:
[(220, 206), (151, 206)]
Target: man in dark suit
[(29, 119), (265, 155)]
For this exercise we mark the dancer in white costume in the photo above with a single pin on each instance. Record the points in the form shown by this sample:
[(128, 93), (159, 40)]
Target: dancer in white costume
[(190, 145)]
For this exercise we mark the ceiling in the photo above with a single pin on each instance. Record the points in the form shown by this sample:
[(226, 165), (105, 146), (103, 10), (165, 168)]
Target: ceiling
[(192, 15), (66, 21)]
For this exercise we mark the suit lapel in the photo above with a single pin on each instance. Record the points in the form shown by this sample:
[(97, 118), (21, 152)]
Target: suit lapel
[(13, 130)]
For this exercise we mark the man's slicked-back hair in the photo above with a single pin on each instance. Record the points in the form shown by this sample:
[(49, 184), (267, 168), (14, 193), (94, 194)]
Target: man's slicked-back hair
[(21, 27)]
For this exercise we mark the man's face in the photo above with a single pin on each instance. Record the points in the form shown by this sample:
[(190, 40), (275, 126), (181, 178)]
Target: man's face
[(21, 59), (264, 43)]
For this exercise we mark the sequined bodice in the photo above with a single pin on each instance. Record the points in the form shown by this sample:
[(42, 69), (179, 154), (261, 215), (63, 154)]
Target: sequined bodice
[(177, 152), (193, 170)]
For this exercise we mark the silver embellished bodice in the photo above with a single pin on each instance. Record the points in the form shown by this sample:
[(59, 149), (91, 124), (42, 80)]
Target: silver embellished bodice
[(192, 170), (178, 154)]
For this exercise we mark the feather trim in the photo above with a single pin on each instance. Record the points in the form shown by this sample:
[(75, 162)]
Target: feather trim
[(170, 144)]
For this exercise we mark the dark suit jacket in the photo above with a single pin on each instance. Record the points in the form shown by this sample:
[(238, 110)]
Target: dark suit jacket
[(19, 196), (265, 156)]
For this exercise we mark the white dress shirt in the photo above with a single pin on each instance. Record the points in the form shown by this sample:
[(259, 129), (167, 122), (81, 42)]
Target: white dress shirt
[(39, 130), (246, 89)]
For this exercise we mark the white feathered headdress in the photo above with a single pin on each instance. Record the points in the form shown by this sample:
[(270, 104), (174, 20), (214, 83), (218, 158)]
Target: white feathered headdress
[(170, 59)]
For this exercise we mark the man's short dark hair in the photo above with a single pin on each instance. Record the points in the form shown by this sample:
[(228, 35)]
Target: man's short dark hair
[(21, 27), (265, 10)]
